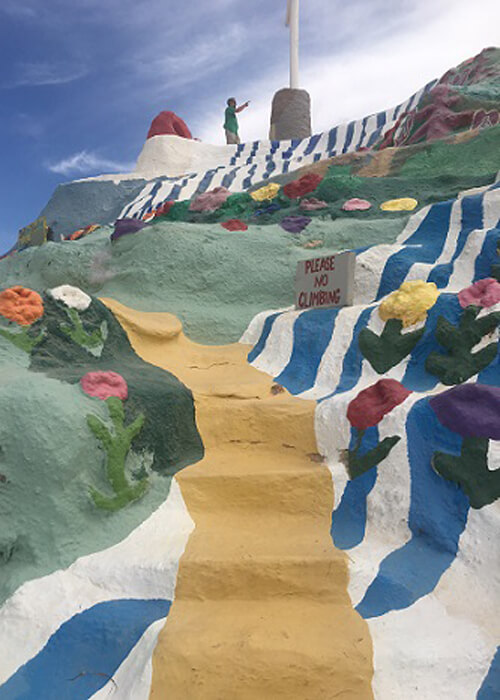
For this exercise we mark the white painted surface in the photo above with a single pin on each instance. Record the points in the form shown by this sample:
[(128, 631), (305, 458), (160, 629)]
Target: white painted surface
[(144, 565)]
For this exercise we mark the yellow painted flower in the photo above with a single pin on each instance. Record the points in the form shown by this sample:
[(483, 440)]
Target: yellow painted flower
[(267, 192), (403, 204), (410, 302)]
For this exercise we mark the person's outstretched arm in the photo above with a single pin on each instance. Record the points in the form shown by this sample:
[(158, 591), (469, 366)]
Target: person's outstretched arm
[(242, 107)]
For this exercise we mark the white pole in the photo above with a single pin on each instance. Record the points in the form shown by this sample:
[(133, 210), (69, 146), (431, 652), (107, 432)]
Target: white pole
[(292, 21)]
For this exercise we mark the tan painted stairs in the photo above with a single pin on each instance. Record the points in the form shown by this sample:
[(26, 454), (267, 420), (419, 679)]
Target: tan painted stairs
[(261, 608)]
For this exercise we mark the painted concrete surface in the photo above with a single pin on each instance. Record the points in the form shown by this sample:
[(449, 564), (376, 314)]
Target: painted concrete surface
[(261, 606), (416, 546), (142, 567)]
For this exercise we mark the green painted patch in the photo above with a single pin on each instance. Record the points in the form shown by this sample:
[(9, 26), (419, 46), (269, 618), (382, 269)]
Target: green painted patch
[(359, 464), (470, 471), (62, 453), (214, 280), (390, 348), (460, 362), (473, 158), (117, 442)]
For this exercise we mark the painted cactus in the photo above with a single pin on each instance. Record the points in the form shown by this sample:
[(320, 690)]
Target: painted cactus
[(460, 363), (112, 388), (472, 411)]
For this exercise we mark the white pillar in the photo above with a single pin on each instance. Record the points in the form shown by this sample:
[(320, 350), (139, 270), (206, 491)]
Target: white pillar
[(292, 21)]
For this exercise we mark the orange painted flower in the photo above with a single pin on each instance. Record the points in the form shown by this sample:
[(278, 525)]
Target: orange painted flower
[(20, 304)]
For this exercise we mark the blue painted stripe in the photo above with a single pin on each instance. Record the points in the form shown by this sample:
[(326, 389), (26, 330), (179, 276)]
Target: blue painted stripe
[(425, 245), (490, 687), (153, 193), (261, 343), (363, 134), (416, 376), (376, 133), (247, 182), (228, 178), (353, 359), (349, 518), (332, 139), (472, 218), (381, 119), (205, 182), (85, 652), (348, 136), (313, 142), (437, 518), (312, 332), (488, 255)]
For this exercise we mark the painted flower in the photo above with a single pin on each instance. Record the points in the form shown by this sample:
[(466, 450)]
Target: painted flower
[(267, 192), (356, 204), (471, 410), (483, 293), (401, 204), (295, 224), (410, 302), (125, 226), (20, 304), (82, 232), (210, 201), (482, 118), (73, 297), (304, 185), (234, 225), (373, 403), (313, 204), (102, 385), (163, 209)]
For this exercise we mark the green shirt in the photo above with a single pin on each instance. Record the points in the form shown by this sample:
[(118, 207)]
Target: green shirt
[(231, 122)]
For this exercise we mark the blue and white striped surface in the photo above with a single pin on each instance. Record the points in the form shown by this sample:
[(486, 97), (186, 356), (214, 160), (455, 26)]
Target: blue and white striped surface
[(415, 545), (252, 162)]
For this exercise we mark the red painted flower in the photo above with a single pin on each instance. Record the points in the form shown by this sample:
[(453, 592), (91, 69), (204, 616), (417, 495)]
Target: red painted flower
[(163, 209), (304, 185), (234, 225), (102, 385), (373, 403), (483, 293)]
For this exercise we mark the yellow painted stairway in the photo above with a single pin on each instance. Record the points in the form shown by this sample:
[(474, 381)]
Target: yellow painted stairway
[(261, 607)]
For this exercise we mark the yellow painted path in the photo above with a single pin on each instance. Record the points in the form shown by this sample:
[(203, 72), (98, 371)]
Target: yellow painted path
[(261, 608)]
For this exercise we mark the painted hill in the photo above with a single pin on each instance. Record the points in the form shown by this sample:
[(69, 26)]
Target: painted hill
[(303, 513)]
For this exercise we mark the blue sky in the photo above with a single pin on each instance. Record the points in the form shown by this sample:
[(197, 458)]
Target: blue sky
[(81, 80)]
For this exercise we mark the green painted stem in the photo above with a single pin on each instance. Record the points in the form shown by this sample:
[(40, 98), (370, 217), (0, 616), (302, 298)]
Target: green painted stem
[(117, 446)]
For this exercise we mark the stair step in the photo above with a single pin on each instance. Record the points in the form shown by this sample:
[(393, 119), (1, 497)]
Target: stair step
[(258, 577)]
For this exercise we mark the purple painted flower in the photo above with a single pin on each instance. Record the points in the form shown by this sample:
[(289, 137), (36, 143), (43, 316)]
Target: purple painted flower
[(471, 410), (295, 224), (124, 226)]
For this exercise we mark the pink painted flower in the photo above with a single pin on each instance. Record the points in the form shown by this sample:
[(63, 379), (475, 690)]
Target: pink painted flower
[(356, 204), (484, 293), (102, 385)]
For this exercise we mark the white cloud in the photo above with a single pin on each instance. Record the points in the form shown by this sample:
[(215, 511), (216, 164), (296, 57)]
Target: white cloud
[(365, 78), (86, 163), (44, 73)]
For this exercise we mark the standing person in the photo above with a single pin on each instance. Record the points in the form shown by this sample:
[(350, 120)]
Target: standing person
[(231, 120)]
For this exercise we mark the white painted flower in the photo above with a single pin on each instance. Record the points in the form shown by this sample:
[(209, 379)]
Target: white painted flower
[(71, 296)]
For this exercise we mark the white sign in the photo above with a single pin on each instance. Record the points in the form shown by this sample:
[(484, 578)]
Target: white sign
[(324, 282)]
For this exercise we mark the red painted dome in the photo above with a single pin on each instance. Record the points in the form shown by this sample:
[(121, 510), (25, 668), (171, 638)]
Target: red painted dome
[(169, 123)]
